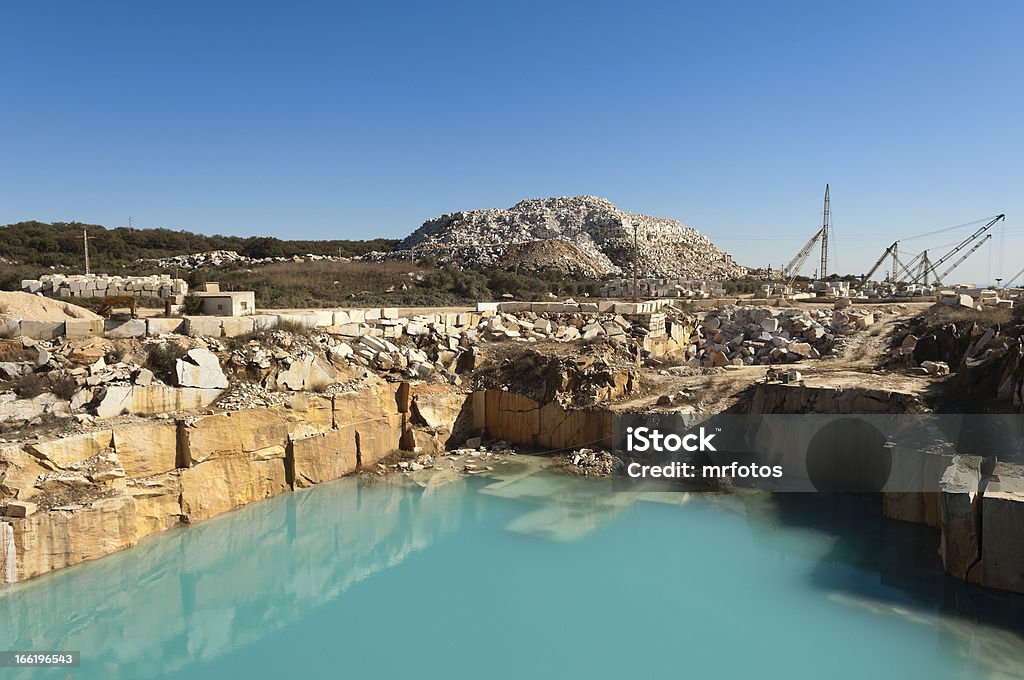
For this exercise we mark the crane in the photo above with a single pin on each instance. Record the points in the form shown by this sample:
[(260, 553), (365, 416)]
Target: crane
[(906, 269), (938, 278), (793, 268), (790, 271), (960, 246), (891, 250), (826, 214)]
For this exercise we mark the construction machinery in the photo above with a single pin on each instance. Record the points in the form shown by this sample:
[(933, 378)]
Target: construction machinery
[(932, 268), (791, 270), (939, 277), (891, 250), (106, 309)]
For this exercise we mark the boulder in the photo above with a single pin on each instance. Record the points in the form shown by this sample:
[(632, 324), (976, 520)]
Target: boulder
[(307, 373), (200, 368), (20, 508), (935, 367)]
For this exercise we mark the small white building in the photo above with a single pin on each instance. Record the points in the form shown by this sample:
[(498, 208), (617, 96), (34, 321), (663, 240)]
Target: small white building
[(227, 303)]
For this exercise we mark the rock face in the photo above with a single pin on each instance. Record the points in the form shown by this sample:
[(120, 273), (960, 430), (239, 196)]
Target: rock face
[(960, 516), (1002, 541), (322, 457), (607, 239), (52, 540)]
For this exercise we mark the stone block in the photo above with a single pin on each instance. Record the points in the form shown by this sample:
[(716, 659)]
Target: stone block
[(20, 508), (323, 318), (264, 322), (165, 326), (203, 326), (59, 453), (41, 330), (234, 326), (200, 368), (83, 328), (133, 328)]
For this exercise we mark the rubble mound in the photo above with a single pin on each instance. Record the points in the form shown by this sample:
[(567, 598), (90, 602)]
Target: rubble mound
[(612, 239), (28, 307), (552, 255)]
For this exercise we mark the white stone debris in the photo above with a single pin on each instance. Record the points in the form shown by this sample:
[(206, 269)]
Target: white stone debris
[(606, 239)]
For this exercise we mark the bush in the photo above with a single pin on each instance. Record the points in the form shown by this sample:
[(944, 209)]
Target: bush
[(64, 387), (161, 360), (30, 386), (193, 304)]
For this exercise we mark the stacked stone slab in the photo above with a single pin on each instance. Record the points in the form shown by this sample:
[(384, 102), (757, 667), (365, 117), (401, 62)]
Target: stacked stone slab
[(663, 287), (101, 286), (657, 247)]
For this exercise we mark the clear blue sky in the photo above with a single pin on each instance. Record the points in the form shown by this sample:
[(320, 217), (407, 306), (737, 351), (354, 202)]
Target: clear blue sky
[(338, 120)]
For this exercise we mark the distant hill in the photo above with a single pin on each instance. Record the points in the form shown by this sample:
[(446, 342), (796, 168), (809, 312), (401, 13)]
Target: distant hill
[(40, 245)]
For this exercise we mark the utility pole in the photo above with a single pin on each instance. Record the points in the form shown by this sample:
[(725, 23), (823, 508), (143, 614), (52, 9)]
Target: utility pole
[(85, 242), (129, 223), (825, 215)]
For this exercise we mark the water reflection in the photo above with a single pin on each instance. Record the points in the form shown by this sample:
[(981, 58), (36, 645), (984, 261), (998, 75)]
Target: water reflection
[(198, 592), (202, 593)]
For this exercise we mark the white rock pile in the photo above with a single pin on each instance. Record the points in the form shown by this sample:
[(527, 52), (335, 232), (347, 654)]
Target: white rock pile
[(769, 335), (220, 258), (659, 247)]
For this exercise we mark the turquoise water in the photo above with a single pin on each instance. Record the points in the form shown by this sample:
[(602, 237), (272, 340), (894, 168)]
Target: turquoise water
[(522, 575)]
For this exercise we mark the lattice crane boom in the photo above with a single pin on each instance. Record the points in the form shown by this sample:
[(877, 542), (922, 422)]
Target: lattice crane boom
[(887, 253), (938, 278), (790, 271), (933, 268)]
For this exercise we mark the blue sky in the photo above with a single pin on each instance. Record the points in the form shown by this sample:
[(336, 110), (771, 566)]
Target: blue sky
[(337, 120)]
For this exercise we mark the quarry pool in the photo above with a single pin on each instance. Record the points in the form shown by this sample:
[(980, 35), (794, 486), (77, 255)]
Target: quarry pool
[(522, 573)]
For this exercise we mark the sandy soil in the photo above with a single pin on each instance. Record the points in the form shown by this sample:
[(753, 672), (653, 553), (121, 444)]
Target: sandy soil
[(19, 305)]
